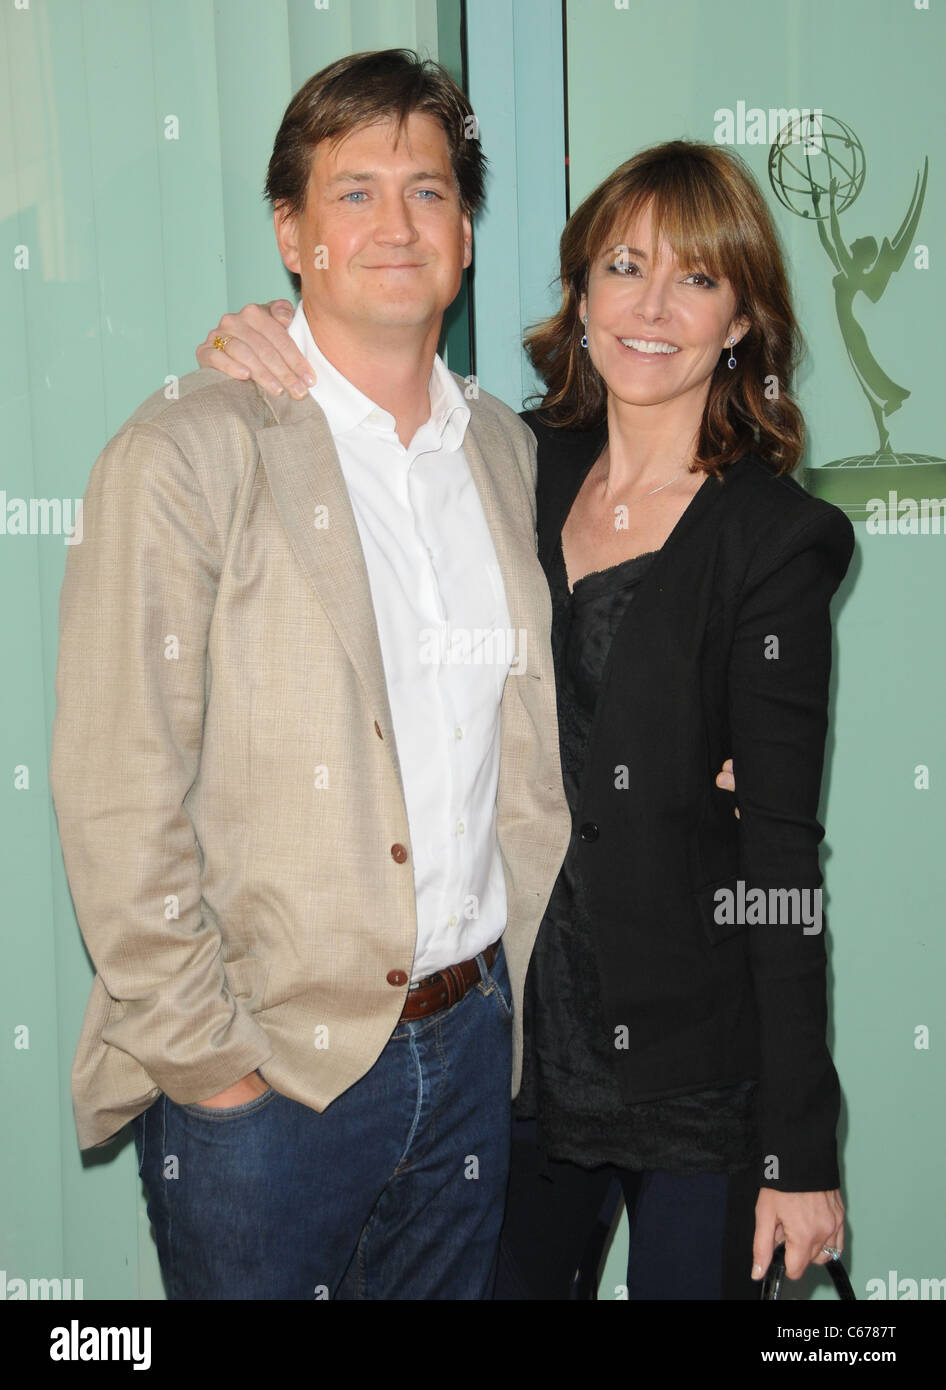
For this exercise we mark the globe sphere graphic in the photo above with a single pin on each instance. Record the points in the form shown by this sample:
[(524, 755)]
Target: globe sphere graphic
[(809, 153)]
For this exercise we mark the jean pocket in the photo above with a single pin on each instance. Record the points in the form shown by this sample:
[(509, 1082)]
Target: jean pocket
[(217, 1113), (497, 985)]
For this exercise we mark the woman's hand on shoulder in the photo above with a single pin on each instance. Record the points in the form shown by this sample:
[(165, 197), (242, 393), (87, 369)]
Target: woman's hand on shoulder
[(254, 343), (806, 1221)]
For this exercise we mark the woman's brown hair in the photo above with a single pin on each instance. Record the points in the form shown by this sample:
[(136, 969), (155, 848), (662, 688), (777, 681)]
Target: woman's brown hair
[(705, 202)]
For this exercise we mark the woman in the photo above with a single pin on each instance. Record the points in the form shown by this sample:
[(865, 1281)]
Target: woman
[(675, 1006)]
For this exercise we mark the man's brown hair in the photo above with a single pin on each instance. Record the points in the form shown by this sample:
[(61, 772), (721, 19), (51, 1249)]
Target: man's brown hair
[(363, 89)]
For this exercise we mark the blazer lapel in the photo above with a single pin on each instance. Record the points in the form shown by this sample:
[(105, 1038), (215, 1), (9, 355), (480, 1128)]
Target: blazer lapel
[(572, 454), (309, 491), (497, 493)]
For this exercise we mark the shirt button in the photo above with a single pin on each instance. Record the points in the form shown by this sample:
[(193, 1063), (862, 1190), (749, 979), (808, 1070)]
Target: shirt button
[(452, 920), (377, 729), (460, 827), (396, 977), (589, 831), (458, 731), (398, 853)]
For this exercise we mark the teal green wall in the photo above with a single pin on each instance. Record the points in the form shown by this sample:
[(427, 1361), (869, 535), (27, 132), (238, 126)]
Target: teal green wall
[(646, 73), (135, 244)]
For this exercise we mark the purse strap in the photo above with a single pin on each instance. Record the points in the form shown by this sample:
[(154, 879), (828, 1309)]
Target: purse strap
[(775, 1274)]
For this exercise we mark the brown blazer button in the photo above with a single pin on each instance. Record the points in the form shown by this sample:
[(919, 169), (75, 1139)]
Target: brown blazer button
[(398, 853), (589, 831), (396, 977), (377, 729)]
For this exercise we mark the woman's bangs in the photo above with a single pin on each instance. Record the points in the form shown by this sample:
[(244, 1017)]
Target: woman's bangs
[(684, 217)]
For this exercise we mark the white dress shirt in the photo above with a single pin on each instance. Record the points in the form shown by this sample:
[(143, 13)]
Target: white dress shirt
[(440, 608)]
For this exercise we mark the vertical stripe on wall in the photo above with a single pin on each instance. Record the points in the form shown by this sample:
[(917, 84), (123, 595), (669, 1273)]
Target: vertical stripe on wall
[(515, 76)]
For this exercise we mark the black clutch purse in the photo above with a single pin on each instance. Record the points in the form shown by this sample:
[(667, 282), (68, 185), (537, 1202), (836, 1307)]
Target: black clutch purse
[(775, 1274)]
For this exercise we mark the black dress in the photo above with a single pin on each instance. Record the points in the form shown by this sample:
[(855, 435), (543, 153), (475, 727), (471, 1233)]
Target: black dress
[(568, 1085)]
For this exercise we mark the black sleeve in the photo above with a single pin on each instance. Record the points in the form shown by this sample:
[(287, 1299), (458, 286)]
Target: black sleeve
[(778, 692)]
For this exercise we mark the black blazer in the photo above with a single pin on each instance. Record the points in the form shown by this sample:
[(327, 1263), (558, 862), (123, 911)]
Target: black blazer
[(693, 677)]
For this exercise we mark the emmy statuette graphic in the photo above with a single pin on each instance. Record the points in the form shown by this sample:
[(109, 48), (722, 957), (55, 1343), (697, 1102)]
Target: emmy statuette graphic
[(817, 167)]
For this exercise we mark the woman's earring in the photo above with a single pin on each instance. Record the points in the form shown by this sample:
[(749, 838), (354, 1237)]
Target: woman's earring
[(732, 361), (584, 336)]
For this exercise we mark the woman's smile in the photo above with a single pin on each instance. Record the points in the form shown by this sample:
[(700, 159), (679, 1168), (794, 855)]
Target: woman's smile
[(650, 349)]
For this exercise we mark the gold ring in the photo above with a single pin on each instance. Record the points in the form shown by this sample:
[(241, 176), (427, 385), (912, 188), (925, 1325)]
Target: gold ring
[(221, 343)]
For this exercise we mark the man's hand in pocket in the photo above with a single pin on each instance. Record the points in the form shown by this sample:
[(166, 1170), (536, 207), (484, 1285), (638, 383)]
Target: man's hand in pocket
[(240, 1092)]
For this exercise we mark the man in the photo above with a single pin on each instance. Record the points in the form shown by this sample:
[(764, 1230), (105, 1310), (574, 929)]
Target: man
[(305, 755)]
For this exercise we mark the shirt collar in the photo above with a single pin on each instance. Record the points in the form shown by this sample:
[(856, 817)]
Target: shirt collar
[(346, 407)]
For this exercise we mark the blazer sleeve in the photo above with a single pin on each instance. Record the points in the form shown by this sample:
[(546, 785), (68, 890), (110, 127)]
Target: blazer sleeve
[(135, 611), (778, 692)]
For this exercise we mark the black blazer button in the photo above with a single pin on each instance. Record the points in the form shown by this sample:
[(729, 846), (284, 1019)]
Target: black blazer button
[(589, 831)]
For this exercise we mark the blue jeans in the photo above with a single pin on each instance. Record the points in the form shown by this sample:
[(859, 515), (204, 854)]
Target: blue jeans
[(394, 1191)]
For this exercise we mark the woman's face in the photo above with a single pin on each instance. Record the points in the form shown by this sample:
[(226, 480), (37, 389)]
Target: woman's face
[(656, 328)]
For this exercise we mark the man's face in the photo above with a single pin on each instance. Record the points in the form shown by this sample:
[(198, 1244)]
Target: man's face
[(382, 241)]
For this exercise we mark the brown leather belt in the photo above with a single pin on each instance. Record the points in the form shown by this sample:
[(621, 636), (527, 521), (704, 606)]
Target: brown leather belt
[(446, 987)]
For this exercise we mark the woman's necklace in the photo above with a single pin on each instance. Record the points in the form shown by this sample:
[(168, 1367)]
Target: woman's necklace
[(673, 479)]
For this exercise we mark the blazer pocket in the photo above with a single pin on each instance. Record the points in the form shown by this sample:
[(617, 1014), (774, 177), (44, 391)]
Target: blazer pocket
[(718, 905)]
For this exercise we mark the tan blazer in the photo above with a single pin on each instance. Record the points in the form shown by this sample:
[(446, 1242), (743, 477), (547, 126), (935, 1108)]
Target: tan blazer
[(224, 769)]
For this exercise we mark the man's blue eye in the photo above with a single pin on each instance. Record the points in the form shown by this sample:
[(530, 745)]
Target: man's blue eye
[(355, 193)]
